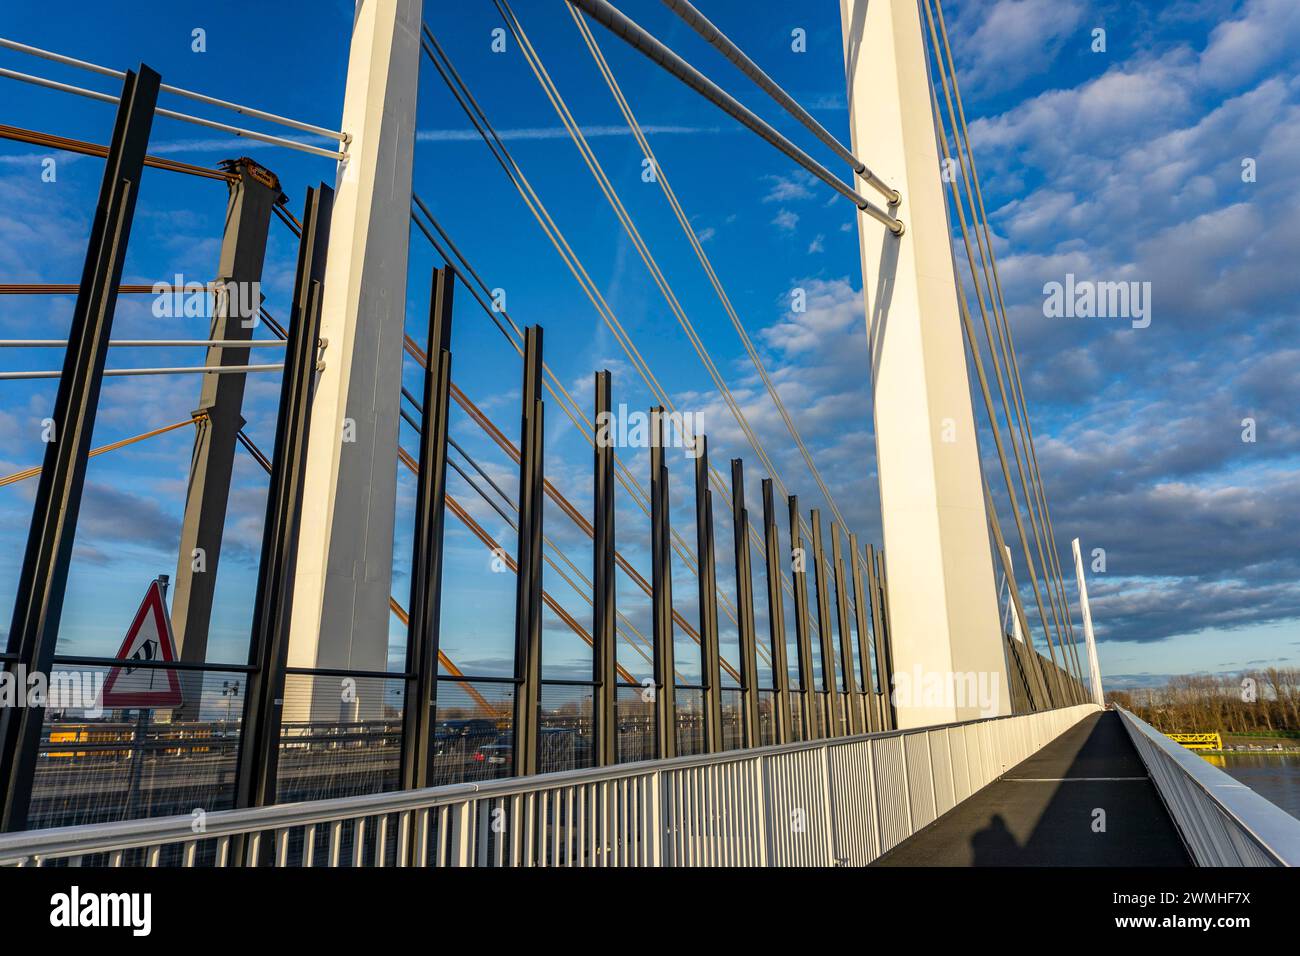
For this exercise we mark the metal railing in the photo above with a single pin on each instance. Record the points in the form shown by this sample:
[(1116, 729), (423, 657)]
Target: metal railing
[(1222, 822), (832, 802)]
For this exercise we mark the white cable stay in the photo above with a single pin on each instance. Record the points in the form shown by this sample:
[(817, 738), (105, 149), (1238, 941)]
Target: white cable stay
[(724, 45), (344, 138), (148, 343), (172, 114), (186, 369), (612, 19)]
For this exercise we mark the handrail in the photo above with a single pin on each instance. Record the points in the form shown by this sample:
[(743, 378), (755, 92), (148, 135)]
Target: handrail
[(1215, 813), (21, 848)]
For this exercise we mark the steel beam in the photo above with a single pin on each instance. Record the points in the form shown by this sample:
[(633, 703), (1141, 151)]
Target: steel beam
[(745, 607), (847, 677), (528, 581), (710, 656), (256, 774), (661, 585), (802, 623), (42, 582), (604, 653), (825, 629), (784, 730), (218, 418), (422, 633)]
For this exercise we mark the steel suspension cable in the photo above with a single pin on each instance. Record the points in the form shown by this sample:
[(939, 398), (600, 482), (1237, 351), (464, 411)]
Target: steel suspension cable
[(1014, 363), (502, 440), (642, 645), (1006, 405), (1031, 487), (35, 470), (469, 105), (706, 263), (701, 24), (260, 457), (495, 506), (661, 281), (638, 242), (547, 556), (36, 138), (625, 29)]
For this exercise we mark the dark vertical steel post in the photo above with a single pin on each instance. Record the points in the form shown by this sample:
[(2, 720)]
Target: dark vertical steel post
[(604, 652), (528, 582), (776, 617), (710, 656), (259, 749), (218, 418), (38, 602), (880, 617), (847, 676), (802, 623), (661, 587), (825, 629), (745, 607), (422, 633), (870, 698)]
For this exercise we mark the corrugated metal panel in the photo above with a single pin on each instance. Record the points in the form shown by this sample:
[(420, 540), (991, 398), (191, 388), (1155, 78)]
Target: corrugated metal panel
[(797, 825), (891, 791), (920, 784), (960, 764), (941, 758), (853, 802), (974, 757)]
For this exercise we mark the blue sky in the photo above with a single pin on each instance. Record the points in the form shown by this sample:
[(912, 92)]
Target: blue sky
[(1122, 165)]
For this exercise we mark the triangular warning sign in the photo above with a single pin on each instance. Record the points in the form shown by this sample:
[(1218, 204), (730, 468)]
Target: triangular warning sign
[(148, 639)]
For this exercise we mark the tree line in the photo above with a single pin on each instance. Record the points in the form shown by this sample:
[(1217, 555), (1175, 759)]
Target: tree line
[(1257, 701)]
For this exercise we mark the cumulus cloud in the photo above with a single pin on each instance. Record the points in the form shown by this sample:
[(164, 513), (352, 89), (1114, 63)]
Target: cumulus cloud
[(1136, 174)]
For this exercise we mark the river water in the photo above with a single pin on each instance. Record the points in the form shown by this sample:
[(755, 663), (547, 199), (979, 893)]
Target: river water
[(1275, 777)]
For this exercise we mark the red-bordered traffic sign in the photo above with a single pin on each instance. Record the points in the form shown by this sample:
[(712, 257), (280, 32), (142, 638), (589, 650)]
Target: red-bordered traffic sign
[(148, 639)]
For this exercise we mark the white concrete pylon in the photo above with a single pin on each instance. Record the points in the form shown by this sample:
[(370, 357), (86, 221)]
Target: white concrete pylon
[(345, 551), (1094, 666), (943, 597)]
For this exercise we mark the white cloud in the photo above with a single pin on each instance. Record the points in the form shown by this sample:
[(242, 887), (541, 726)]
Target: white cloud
[(785, 219), (785, 188)]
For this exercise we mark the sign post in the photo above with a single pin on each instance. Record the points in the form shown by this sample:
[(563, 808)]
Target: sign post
[(148, 639)]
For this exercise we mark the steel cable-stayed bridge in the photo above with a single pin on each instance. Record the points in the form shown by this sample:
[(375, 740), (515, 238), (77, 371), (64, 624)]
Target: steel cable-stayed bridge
[(911, 695)]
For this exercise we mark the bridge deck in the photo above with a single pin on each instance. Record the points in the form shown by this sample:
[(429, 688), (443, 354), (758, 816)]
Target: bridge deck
[(1041, 812)]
